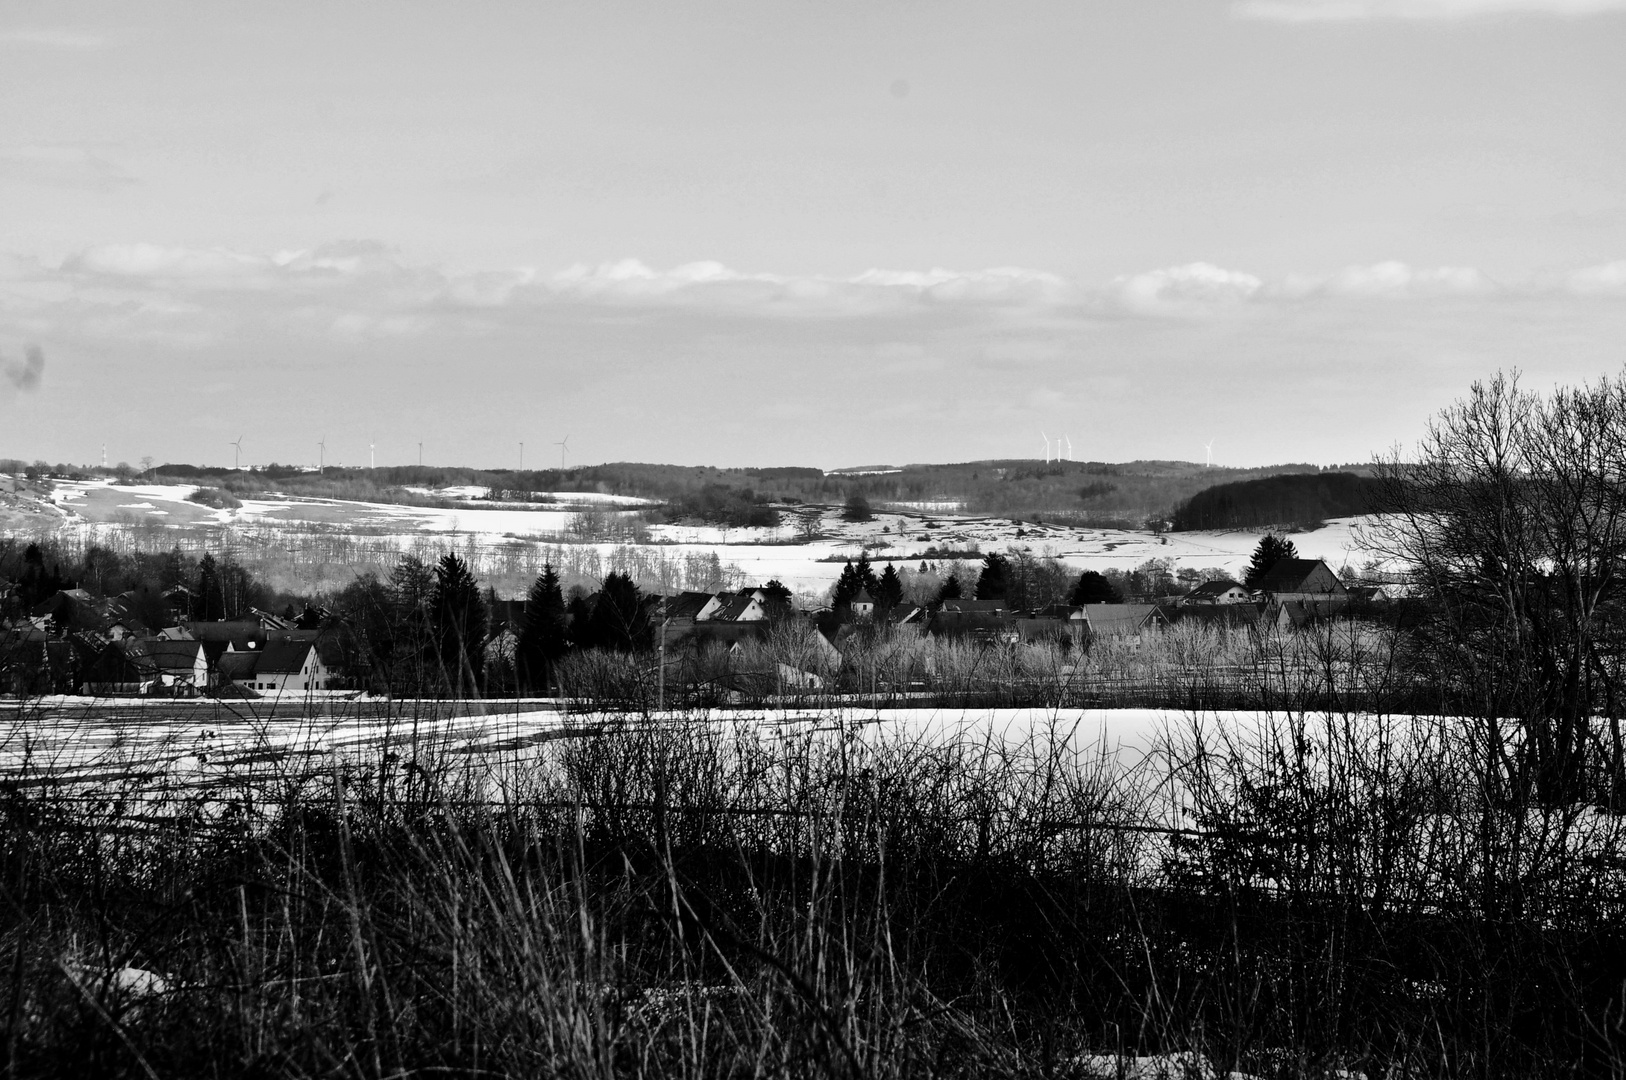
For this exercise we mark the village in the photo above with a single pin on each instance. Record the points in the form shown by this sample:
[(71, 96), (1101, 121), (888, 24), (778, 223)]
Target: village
[(77, 643)]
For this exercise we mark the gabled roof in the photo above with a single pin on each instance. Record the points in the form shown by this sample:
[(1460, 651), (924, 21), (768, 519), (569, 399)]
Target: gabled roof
[(1215, 588), (980, 606), (1109, 619), (239, 665), (283, 657), (1288, 575), (1297, 613), (272, 621), (685, 605), (1212, 614), (864, 597), (734, 608), (1060, 611), (162, 654)]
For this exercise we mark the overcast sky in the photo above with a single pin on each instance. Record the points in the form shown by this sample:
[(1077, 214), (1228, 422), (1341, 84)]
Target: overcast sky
[(798, 233)]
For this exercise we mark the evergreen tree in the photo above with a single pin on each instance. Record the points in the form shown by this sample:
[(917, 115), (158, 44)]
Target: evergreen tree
[(776, 590), (412, 655), (889, 590), (1270, 550), (1094, 588), (619, 620), (543, 638), (866, 575), (995, 577), (36, 585), (847, 586), (950, 590), (458, 619), (208, 598)]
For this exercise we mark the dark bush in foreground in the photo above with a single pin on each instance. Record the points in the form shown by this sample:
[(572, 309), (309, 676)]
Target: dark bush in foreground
[(681, 902)]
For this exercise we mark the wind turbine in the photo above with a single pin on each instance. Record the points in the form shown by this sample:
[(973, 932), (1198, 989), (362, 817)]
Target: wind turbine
[(420, 453), (1069, 439), (371, 464), (563, 445), (522, 455), (1046, 446), (1208, 447), (237, 453), (321, 456)]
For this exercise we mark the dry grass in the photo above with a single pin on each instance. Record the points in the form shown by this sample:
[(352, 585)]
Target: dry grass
[(680, 900)]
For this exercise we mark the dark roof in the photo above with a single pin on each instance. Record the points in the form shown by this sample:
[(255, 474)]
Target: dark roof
[(1212, 614), (1059, 611), (1215, 588), (733, 608), (685, 605), (238, 665), (162, 654), (283, 657), (1287, 575), (863, 597), (1119, 618), (1303, 612), (979, 606)]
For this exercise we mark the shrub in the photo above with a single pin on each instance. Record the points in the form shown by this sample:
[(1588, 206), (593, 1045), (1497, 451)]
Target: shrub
[(215, 498)]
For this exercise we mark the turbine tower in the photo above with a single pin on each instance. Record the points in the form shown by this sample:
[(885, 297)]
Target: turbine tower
[(522, 455), (1208, 448), (1046, 446), (237, 453), (321, 453), (563, 445), (1069, 439), (371, 464)]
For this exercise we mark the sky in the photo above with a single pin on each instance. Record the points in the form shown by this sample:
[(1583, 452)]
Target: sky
[(797, 233)]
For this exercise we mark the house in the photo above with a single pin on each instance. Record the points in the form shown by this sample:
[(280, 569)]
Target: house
[(1124, 622), (741, 607), (1297, 614), (975, 607), (1309, 580), (76, 611), (1216, 616), (683, 609), (1223, 591), (863, 605), (169, 662), (1057, 622), (287, 666)]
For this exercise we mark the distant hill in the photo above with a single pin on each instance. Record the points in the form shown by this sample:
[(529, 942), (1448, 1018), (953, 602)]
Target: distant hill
[(1276, 500), (1066, 492)]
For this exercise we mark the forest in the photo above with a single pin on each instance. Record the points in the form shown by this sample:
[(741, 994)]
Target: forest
[(1290, 499)]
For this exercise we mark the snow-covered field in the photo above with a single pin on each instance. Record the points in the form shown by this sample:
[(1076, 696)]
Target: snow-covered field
[(760, 554), (90, 740)]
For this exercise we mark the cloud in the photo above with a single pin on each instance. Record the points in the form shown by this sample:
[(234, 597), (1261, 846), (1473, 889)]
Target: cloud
[(1390, 279), (358, 290), (26, 375), (1304, 11), (711, 284), (63, 166), (1193, 287), (51, 38), (1608, 278)]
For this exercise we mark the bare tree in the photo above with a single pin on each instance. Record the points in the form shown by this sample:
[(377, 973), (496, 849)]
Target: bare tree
[(1511, 520)]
